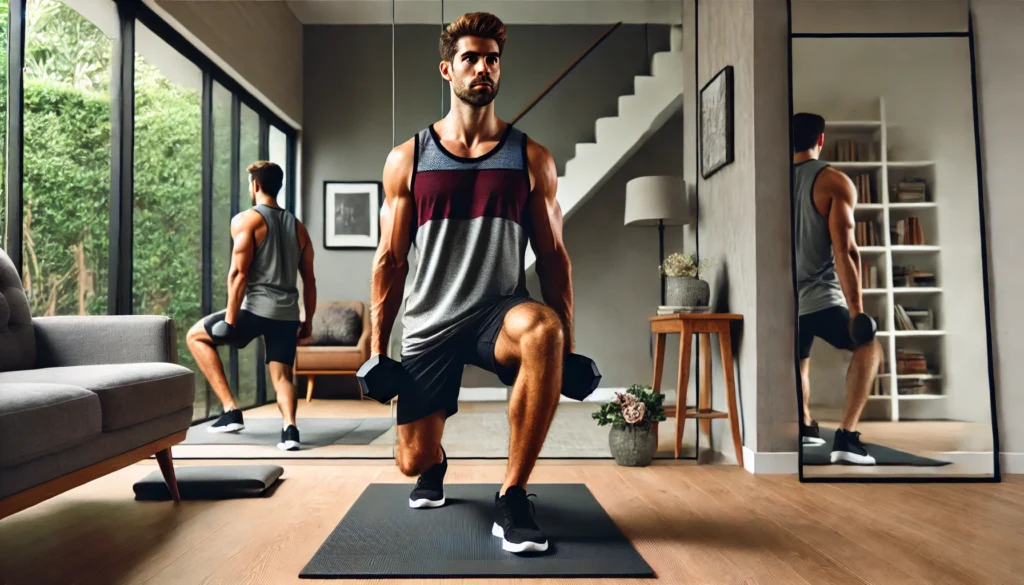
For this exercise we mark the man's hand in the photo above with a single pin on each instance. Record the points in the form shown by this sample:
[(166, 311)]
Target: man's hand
[(305, 333), (553, 266)]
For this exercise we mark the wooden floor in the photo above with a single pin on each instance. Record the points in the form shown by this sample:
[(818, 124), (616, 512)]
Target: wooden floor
[(693, 524)]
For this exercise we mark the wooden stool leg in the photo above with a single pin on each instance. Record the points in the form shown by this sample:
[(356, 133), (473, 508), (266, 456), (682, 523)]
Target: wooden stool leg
[(704, 395), (163, 458), (659, 365), (309, 387), (725, 342), (685, 343)]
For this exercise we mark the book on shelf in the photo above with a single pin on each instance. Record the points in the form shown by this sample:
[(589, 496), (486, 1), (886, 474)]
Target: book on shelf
[(911, 190), (914, 319), (910, 277), (907, 232), (868, 275), (910, 362), (912, 386), (867, 234), (845, 150), (862, 182)]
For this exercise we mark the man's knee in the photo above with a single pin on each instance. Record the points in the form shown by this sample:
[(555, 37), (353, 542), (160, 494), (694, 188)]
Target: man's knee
[(197, 333), (537, 325), (413, 461)]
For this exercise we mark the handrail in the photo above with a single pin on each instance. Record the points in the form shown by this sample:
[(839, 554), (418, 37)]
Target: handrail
[(568, 69)]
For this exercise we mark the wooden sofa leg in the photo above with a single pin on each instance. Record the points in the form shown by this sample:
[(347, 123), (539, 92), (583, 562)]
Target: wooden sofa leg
[(309, 387), (167, 469)]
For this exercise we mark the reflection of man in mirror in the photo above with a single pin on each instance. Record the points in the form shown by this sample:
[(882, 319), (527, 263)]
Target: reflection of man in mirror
[(828, 283)]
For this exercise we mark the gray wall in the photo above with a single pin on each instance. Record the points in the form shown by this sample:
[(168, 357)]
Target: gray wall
[(348, 133), (1000, 53)]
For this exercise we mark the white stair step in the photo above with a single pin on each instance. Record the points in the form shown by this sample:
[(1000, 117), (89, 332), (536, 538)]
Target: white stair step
[(676, 38), (612, 129), (643, 84), (631, 105), (583, 148), (668, 64)]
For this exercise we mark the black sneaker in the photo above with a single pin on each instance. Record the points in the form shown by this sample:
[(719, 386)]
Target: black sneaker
[(229, 422), (289, 439), (810, 435), (429, 490), (847, 448), (514, 523)]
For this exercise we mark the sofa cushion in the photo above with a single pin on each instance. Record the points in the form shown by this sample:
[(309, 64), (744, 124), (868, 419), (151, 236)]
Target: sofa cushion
[(336, 324), (17, 336), (342, 359), (128, 393), (38, 419)]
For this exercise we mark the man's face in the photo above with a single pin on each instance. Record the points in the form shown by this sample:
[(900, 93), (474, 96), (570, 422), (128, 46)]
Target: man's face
[(475, 71)]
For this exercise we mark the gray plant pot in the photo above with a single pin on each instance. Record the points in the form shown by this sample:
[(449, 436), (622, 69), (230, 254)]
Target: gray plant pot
[(686, 291), (632, 446)]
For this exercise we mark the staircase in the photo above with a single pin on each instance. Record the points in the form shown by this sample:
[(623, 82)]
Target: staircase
[(655, 99)]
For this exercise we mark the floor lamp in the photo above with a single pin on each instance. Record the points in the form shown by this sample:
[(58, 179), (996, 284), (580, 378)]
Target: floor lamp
[(657, 201)]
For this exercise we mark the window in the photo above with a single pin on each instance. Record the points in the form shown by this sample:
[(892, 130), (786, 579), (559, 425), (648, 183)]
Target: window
[(4, 13), (221, 224), (68, 55), (249, 152), (278, 143), (168, 202)]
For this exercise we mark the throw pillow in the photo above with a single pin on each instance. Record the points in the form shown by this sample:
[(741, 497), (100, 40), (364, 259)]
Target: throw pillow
[(341, 326)]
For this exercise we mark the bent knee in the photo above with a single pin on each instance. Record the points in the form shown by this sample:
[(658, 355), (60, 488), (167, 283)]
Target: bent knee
[(413, 462), (197, 333), (538, 324)]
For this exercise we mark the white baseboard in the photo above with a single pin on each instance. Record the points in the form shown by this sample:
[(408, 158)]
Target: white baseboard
[(501, 394), (1011, 462), (770, 463)]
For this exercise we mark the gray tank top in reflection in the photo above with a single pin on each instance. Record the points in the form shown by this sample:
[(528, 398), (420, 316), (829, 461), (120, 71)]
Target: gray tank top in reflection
[(817, 282), (271, 289)]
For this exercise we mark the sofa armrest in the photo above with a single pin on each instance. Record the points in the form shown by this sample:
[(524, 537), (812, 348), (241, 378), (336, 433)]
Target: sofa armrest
[(104, 339)]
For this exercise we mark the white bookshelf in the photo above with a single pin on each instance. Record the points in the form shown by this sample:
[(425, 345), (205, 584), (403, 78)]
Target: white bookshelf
[(881, 300)]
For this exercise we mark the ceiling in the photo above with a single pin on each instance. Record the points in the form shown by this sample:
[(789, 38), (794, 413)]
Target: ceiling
[(510, 11)]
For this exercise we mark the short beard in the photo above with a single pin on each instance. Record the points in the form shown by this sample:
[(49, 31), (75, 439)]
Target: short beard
[(474, 98)]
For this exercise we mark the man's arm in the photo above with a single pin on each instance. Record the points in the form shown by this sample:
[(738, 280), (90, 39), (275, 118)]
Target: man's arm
[(308, 280), (244, 238), (553, 266), (390, 262), (844, 242)]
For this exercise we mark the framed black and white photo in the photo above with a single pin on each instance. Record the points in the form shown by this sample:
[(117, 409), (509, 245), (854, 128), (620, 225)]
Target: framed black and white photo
[(352, 214), (716, 123)]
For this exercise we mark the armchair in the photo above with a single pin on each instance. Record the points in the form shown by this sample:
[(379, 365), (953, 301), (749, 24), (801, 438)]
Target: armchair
[(340, 343)]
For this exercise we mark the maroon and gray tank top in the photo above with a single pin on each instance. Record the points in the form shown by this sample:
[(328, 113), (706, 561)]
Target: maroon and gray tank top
[(470, 235)]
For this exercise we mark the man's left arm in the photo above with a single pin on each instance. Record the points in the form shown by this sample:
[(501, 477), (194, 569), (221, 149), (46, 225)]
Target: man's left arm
[(241, 259), (553, 266)]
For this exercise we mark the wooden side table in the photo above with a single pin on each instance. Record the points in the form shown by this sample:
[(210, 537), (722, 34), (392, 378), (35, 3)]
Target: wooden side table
[(703, 324)]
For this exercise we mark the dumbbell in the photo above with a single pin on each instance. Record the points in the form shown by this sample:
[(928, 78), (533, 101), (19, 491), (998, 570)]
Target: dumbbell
[(222, 332), (862, 329), (381, 378)]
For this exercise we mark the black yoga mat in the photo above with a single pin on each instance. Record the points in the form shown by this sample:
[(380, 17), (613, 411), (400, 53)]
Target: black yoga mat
[(211, 482), (313, 432), (820, 454), (381, 536)]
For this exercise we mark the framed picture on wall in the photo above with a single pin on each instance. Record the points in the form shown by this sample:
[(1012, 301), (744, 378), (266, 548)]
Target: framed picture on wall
[(352, 214), (716, 123)]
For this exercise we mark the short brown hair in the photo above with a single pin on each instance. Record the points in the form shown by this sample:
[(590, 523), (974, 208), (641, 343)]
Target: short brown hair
[(268, 174), (473, 24)]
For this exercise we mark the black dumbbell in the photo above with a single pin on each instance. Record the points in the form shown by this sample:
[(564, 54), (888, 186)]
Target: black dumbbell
[(382, 378), (580, 376), (222, 332), (862, 329)]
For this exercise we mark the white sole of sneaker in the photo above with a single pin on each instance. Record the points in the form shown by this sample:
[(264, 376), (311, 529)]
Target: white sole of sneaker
[(425, 503), (519, 547), (813, 441), (288, 446), (847, 457), (226, 428)]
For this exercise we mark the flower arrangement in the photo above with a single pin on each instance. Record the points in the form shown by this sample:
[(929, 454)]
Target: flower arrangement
[(679, 264), (639, 406)]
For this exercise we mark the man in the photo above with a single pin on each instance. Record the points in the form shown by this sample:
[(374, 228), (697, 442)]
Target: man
[(270, 248), (469, 190), (828, 282)]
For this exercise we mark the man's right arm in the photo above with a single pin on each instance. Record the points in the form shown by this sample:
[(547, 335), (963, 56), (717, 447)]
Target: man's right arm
[(308, 279), (390, 262), (841, 226)]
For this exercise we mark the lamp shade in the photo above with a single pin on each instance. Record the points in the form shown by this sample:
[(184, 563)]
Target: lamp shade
[(650, 199)]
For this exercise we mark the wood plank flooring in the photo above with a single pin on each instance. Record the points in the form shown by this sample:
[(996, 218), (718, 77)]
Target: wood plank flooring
[(693, 524)]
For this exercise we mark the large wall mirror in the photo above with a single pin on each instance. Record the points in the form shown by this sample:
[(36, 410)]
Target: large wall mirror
[(886, 153)]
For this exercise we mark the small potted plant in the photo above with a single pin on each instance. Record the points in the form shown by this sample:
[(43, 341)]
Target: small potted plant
[(632, 415), (682, 287)]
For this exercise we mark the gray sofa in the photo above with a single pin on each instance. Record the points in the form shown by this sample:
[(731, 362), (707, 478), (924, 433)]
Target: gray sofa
[(83, 396)]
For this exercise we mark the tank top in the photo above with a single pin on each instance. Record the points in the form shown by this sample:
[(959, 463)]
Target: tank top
[(817, 282), (270, 290), (471, 222)]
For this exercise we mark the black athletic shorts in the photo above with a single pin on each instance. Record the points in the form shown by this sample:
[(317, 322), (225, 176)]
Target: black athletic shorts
[(279, 337), (831, 324), (438, 370)]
